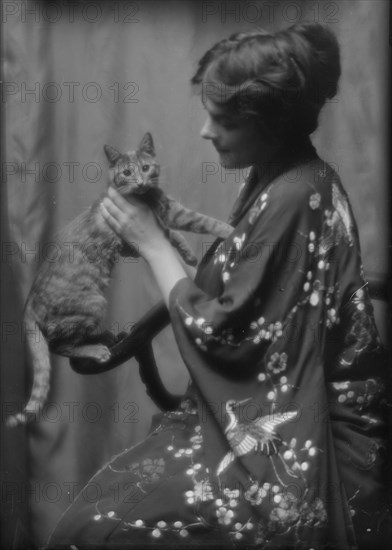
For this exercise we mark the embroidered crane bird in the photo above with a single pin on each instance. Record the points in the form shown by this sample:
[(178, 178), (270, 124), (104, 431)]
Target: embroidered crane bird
[(254, 435)]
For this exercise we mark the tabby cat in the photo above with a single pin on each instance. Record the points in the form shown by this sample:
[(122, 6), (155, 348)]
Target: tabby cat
[(66, 303)]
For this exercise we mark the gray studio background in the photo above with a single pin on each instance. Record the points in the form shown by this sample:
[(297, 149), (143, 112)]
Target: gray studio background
[(106, 73)]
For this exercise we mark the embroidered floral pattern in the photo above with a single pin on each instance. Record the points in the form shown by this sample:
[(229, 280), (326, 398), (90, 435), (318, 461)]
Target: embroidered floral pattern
[(288, 511), (257, 208), (362, 330), (360, 395), (266, 331), (231, 257), (256, 494), (162, 528), (188, 452), (341, 205), (314, 201), (338, 224), (258, 331), (361, 333), (148, 471), (202, 492), (239, 241), (277, 363)]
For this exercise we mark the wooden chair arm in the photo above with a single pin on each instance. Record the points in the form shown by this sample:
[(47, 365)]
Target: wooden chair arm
[(142, 333), (138, 344)]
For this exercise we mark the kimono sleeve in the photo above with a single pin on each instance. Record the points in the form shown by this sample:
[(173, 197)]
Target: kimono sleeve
[(262, 269)]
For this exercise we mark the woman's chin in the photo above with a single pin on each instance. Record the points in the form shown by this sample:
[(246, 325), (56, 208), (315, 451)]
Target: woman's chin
[(229, 161), (226, 162)]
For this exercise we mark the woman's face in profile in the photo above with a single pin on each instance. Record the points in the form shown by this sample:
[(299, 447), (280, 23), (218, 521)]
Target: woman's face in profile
[(239, 142)]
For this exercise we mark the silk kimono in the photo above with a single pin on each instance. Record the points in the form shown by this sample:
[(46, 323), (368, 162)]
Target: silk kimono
[(279, 441)]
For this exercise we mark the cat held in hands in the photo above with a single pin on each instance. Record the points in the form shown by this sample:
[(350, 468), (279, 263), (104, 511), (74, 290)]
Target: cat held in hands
[(66, 303)]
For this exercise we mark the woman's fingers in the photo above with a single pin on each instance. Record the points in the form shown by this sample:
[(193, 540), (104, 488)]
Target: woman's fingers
[(134, 223), (121, 211), (116, 198), (117, 218), (107, 213), (120, 201), (113, 208)]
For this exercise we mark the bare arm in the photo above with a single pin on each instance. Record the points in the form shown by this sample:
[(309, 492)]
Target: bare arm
[(136, 224), (166, 267)]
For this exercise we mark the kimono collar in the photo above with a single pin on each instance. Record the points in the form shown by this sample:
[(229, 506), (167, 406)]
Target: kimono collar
[(294, 154)]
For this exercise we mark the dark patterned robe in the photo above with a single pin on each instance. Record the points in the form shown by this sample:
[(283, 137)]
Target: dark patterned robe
[(279, 441)]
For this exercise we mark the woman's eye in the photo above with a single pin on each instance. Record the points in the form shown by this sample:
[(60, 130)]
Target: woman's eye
[(145, 167), (127, 172), (225, 122), (228, 124)]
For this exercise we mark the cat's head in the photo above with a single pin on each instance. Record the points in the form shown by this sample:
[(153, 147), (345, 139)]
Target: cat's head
[(135, 172)]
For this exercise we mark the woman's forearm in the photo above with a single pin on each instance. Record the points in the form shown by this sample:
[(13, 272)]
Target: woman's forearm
[(166, 267)]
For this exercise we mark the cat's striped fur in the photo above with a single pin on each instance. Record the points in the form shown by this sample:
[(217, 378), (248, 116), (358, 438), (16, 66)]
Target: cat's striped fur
[(66, 303)]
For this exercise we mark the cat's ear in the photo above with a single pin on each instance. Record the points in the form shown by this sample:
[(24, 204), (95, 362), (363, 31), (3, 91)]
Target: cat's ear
[(147, 145), (112, 154)]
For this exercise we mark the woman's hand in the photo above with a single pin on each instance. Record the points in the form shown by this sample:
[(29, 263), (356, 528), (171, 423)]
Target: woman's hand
[(134, 222)]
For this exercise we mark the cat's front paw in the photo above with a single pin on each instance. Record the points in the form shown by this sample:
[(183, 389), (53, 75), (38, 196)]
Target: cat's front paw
[(226, 231), (191, 260)]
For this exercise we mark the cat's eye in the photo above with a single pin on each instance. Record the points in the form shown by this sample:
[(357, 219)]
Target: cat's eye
[(145, 167), (127, 172)]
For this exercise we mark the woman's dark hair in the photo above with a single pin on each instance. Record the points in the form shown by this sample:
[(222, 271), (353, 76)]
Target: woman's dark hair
[(283, 79)]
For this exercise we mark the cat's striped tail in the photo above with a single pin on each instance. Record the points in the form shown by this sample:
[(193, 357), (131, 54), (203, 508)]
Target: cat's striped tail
[(40, 358)]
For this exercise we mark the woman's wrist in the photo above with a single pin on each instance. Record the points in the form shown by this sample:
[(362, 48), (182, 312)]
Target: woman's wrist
[(166, 267), (156, 249)]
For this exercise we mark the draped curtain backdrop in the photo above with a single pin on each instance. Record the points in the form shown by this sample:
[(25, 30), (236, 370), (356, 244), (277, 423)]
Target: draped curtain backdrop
[(82, 74)]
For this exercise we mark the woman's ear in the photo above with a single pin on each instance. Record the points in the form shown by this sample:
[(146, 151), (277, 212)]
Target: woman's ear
[(147, 145), (112, 154)]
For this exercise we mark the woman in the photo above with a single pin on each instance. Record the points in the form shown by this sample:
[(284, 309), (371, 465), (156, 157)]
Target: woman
[(279, 440)]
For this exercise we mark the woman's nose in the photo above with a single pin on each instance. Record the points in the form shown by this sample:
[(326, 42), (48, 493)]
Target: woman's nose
[(207, 131)]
